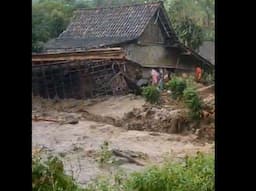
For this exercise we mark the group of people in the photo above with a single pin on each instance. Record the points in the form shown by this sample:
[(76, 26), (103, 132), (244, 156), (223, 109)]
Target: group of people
[(159, 76)]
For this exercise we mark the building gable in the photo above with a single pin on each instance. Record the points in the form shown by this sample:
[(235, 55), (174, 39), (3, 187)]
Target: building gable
[(152, 33)]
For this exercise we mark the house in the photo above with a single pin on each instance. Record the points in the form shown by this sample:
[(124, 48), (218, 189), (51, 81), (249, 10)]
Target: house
[(144, 31), (133, 38)]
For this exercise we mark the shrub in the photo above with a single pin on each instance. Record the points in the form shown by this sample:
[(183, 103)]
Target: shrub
[(49, 176), (193, 174), (177, 85), (196, 173), (194, 103), (151, 93)]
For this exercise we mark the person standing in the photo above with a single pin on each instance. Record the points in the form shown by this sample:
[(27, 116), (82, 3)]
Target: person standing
[(155, 77), (198, 73)]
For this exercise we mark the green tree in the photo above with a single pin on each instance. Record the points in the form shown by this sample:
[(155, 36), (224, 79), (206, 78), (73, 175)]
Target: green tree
[(208, 9), (40, 28), (198, 13), (49, 19), (189, 33)]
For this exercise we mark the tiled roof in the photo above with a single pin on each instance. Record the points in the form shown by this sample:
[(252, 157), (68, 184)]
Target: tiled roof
[(69, 44), (93, 28)]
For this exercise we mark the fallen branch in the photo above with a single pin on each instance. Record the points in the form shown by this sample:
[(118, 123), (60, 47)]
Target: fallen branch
[(82, 111), (72, 122), (130, 159), (43, 119)]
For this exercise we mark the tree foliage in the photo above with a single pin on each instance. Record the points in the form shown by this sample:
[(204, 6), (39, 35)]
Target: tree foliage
[(49, 19), (193, 20), (189, 33)]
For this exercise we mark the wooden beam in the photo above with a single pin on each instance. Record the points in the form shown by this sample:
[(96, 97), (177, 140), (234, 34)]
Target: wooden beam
[(72, 58), (97, 54)]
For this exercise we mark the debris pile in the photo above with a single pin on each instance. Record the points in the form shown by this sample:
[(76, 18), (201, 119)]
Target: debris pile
[(206, 132), (152, 118), (207, 126)]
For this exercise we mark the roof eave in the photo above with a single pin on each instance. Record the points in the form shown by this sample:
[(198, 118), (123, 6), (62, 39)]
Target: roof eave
[(182, 46)]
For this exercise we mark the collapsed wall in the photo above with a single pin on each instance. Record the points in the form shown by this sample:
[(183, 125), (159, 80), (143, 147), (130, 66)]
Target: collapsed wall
[(79, 75), (77, 79)]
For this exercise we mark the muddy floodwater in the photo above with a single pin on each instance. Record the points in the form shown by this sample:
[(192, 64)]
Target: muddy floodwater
[(75, 143)]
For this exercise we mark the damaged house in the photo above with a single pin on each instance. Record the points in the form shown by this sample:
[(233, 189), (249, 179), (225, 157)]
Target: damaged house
[(107, 50)]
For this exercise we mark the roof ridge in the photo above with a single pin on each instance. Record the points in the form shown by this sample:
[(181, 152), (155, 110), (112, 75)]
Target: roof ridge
[(121, 6)]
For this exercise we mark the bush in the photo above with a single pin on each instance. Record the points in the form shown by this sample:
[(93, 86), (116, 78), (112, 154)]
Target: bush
[(194, 103), (50, 176), (196, 173), (151, 93), (177, 85)]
